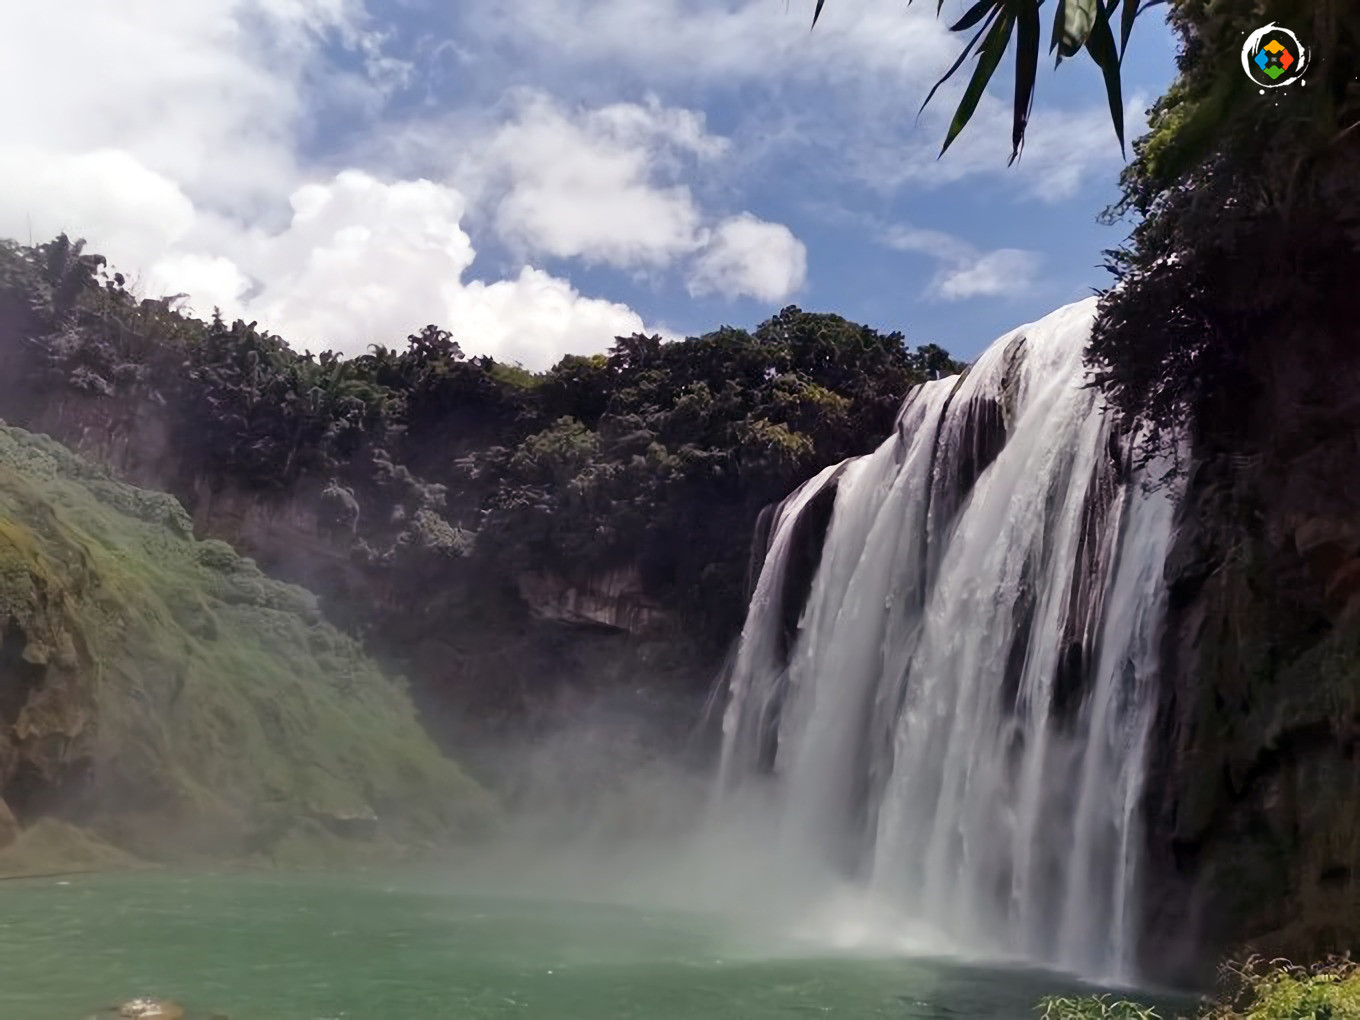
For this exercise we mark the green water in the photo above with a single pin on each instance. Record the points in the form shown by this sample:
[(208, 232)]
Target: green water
[(364, 948)]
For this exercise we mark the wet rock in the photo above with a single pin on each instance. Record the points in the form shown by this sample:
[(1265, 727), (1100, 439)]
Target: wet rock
[(9, 826), (149, 1009), (615, 599), (1327, 541), (361, 824)]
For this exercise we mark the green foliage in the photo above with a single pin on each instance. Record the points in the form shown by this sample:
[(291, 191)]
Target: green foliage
[(1253, 990), (1243, 249), (1077, 25), (1278, 990), (666, 452), (442, 470), (1093, 1007), (228, 712)]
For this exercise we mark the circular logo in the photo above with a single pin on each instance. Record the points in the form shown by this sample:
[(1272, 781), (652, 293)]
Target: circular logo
[(1273, 57)]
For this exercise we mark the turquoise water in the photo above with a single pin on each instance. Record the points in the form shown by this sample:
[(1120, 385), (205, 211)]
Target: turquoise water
[(364, 948)]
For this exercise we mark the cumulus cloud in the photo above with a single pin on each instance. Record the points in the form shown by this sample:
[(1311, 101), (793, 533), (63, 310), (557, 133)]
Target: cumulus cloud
[(604, 185), (198, 160), (593, 183), (721, 40), (105, 193), (364, 261), (848, 90), (184, 162), (965, 272), (748, 256), (204, 94), (1001, 273), (180, 161)]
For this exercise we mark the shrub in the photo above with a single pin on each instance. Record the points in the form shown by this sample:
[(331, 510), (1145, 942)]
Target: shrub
[(1250, 990)]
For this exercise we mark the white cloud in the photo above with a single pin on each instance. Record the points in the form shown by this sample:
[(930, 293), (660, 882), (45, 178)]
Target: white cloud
[(748, 256), (205, 94), (591, 184), (363, 261), (843, 97), (965, 272), (180, 162), (186, 160), (104, 193), (536, 318), (603, 185), (1001, 273), (723, 41)]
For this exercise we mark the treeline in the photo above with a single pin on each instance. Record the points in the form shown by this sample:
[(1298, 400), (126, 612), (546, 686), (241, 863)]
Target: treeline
[(655, 454)]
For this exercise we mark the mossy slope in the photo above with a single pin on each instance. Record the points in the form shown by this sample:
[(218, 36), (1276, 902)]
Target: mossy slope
[(166, 694)]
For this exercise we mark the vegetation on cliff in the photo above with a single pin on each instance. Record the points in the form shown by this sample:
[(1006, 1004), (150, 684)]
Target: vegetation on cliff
[(166, 695), (1247, 239), (446, 480)]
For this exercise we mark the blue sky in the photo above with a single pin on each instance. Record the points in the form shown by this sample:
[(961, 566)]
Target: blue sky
[(540, 175)]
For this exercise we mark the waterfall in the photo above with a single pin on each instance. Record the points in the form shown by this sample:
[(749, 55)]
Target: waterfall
[(944, 682)]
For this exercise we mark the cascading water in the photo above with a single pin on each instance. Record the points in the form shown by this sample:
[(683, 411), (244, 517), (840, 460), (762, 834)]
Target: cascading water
[(950, 698)]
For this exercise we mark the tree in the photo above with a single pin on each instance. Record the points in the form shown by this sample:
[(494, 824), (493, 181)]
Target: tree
[(1247, 241)]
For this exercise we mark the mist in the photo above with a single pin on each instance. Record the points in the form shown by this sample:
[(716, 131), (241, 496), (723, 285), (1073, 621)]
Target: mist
[(616, 803)]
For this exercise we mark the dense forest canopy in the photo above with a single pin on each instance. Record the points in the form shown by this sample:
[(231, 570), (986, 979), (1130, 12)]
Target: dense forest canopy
[(658, 454)]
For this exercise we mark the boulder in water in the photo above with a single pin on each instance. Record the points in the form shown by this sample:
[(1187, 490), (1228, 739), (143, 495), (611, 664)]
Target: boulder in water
[(147, 1009)]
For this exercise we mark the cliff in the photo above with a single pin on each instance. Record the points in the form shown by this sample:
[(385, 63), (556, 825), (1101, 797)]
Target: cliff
[(166, 696), (1254, 792), (513, 542)]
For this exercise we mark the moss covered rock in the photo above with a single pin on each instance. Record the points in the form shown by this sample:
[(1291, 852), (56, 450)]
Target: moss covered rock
[(167, 695), (1254, 790)]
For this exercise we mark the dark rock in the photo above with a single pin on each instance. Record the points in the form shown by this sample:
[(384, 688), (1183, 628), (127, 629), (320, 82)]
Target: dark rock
[(615, 599)]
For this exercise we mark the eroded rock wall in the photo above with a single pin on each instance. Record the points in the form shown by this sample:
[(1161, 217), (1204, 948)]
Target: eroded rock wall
[(1254, 789)]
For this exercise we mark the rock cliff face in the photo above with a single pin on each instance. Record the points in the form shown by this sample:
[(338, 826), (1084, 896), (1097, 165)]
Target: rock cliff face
[(615, 599), (481, 658), (168, 696), (1254, 793)]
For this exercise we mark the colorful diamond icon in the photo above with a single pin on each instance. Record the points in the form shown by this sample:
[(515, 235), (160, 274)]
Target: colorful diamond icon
[(1277, 54)]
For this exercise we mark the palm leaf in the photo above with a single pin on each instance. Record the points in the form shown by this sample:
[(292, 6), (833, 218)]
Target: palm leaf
[(1059, 19), (1126, 27), (1026, 69), (1078, 18), (974, 15), (996, 9), (1100, 44), (988, 58), (1077, 24)]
